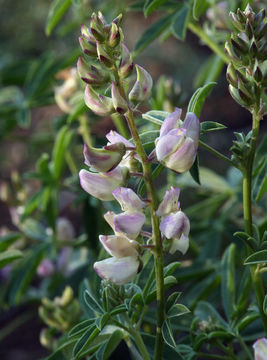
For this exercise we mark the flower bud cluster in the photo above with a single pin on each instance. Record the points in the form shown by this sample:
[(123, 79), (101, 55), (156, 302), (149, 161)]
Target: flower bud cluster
[(59, 315), (106, 63), (174, 225), (123, 245), (176, 147), (247, 51)]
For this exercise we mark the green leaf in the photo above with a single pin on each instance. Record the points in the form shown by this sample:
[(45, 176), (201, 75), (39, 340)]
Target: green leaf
[(205, 311), (120, 308), (211, 126), (24, 117), (265, 305), (25, 272), (209, 71), (244, 291), (172, 299), (92, 303), (102, 320), (168, 334), (61, 144), (110, 345), (81, 327), (8, 239), (87, 338), (180, 22), (257, 258), (156, 116), (168, 282), (152, 5), (194, 171), (199, 7), (9, 256), (149, 137), (197, 100), (262, 189), (152, 33), (177, 310), (59, 354), (56, 11), (169, 352), (228, 281), (169, 269)]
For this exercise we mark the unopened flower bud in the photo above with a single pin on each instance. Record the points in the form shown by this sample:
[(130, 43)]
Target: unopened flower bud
[(97, 28), (236, 22), (260, 30), (141, 90), (101, 185), (118, 270), (170, 202), (99, 104), (114, 138), (88, 46), (249, 29), (257, 74), (106, 159), (128, 199), (260, 349), (119, 245), (118, 20), (253, 49), (91, 74), (231, 75), (235, 95), (103, 56), (119, 103), (114, 36), (126, 63)]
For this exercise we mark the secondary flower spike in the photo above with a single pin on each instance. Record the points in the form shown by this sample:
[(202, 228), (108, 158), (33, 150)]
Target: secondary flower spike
[(106, 159), (176, 147), (101, 185)]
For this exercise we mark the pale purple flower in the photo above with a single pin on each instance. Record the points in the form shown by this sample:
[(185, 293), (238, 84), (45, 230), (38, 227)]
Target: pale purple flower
[(101, 185), (46, 268), (170, 202), (118, 270), (128, 199), (260, 349), (119, 245), (129, 223), (114, 138), (176, 226), (176, 147)]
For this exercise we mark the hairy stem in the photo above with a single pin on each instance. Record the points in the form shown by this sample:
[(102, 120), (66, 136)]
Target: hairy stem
[(158, 250), (197, 30), (247, 209)]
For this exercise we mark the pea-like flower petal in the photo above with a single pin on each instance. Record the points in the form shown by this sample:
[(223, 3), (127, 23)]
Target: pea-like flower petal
[(129, 224), (170, 202), (118, 245), (128, 199)]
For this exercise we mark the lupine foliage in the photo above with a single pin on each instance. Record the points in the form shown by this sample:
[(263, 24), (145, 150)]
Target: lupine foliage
[(170, 274)]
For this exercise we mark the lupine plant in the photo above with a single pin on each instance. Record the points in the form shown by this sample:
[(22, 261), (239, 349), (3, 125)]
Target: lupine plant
[(168, 280)]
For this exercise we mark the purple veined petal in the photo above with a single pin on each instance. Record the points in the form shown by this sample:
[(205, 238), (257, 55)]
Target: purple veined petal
[(128, 199), (101, 185), (166, 145), (114, 138), (170, 202), (119, 271), (173, 224), (183, 158), (260, 349), (179, 243), (171, 122), (118, 245), (98, 103), (129, 224), (192, 126)]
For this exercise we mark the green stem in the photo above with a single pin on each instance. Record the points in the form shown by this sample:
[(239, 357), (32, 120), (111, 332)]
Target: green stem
[(213, 356), (197, 30), (84, 130), (217, 153), (158, 251), (247, 209), (246, 349)]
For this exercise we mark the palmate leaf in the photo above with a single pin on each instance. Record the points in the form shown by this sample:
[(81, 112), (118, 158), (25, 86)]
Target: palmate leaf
[(199, 7), (152, 5), (110, 345), (180, 22)]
